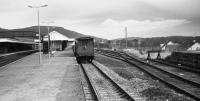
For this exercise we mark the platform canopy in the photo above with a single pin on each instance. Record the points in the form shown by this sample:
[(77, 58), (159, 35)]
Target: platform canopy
[(56, 36), (14, 34), (9, 40)]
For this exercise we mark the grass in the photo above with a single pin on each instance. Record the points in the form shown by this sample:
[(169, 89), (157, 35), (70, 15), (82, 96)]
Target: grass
[(124, 73), (157, 92), (110, 62), (160, 94)]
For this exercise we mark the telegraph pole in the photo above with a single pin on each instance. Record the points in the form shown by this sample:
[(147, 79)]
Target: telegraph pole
[(126, 36)]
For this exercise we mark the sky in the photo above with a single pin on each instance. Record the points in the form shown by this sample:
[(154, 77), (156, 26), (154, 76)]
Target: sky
[(107, 18)]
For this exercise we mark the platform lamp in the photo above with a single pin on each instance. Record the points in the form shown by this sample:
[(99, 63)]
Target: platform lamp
[(49, 40), (38, 15)]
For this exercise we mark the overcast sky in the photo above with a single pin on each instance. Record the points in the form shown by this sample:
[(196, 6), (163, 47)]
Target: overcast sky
[(107, 18)]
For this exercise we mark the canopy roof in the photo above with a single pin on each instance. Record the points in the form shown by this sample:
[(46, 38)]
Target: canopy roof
[(14, 41), (56, 36), (22, 33)]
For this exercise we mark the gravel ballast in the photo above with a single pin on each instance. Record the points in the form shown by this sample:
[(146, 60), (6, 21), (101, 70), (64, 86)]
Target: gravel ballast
[(144, 87)]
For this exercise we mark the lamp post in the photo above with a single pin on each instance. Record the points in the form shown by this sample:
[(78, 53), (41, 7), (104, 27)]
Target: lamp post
[(38, 15), (49, 40)]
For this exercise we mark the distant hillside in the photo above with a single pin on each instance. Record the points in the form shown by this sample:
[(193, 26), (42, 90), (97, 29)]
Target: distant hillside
[(156, 41), (44, 31), (1, 29), (129, 38)]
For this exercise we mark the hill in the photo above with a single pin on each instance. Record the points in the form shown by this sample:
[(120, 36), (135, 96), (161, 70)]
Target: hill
[(156, 41), (128, 38), (44, 31), (1, 29)]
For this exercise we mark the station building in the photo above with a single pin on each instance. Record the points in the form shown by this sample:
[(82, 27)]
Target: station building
[(14, 40), (56, 41)]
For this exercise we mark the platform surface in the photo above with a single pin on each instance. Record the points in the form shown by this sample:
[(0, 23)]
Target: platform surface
[(57, 79)]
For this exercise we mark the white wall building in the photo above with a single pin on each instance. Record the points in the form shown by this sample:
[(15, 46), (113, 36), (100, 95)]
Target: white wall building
[(195, 47), (170, 46), (57, 40)]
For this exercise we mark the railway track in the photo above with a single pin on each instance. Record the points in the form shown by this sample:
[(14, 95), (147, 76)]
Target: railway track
[(184, 75), (183, 85), (88, 88), (11, 57), (186, 68), (103, 87)]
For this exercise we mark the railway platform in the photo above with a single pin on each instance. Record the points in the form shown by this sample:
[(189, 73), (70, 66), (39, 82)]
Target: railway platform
[(56, 79)]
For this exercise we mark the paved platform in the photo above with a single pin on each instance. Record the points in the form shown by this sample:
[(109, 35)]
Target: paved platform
[(57, 79)]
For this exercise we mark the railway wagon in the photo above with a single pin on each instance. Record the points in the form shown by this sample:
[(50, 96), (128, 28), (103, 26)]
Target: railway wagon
[(188, 58), (84, 49)]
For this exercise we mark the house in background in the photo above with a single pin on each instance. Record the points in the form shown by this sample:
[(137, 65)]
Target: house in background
[(185, 46), (195, 47), (162, 46), (170, 46)]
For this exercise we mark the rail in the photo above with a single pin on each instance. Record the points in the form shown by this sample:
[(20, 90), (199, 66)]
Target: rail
[(91, 85), (114, 88), (180, 84), (11, 57)]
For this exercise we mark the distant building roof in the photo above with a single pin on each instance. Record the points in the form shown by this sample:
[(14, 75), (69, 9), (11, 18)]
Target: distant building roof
[(168, 43), (172, 43), (185, 45)]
